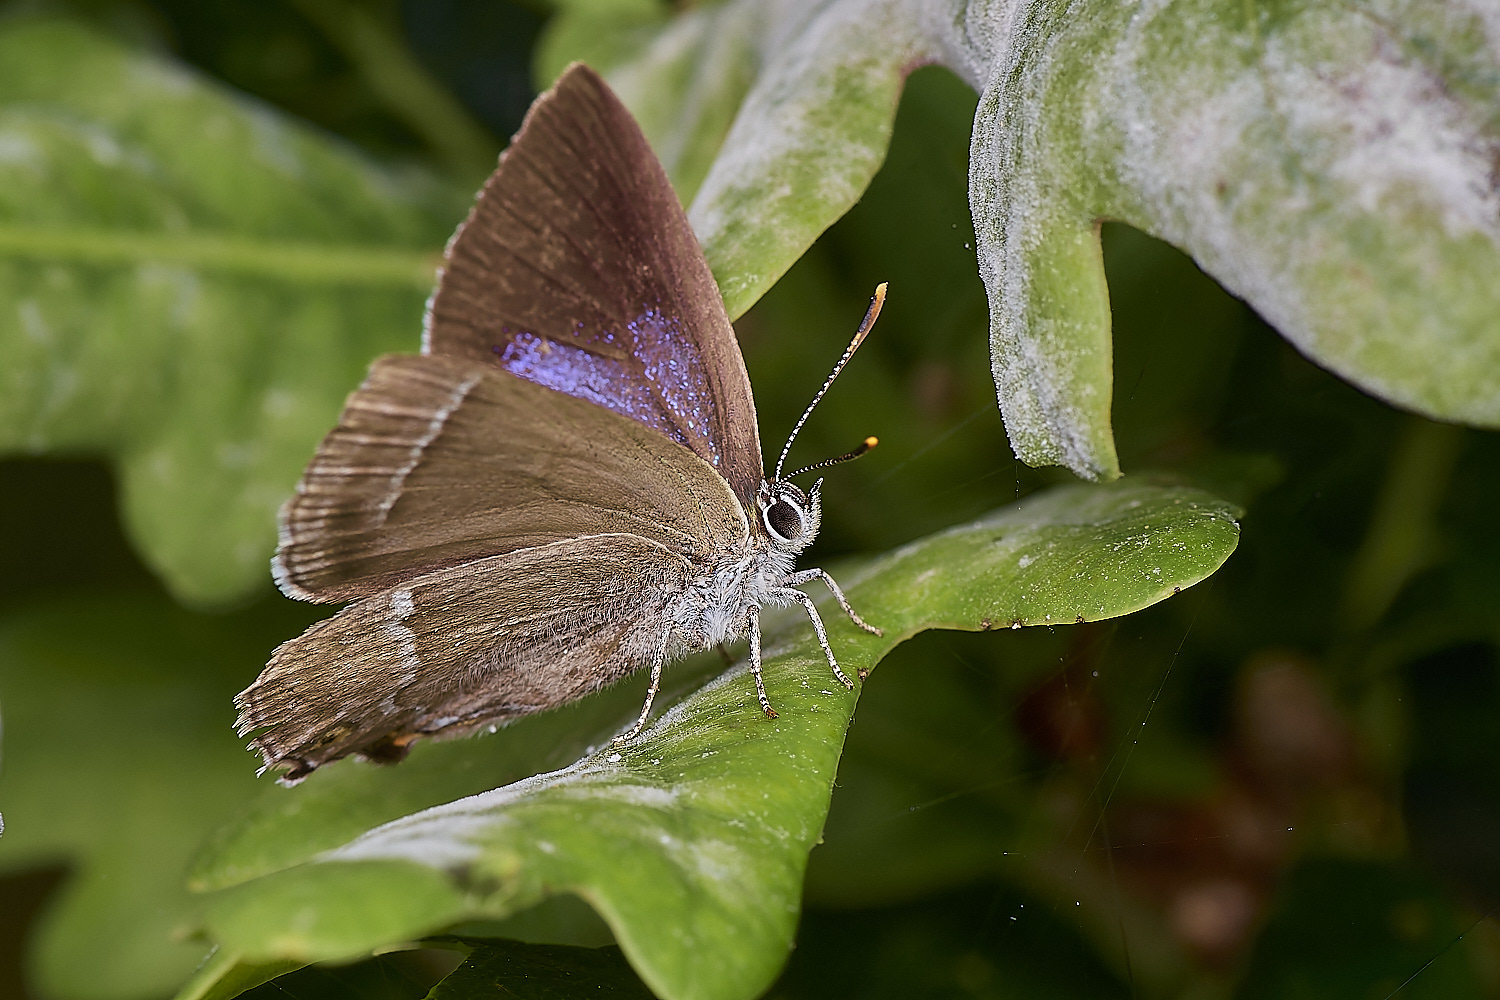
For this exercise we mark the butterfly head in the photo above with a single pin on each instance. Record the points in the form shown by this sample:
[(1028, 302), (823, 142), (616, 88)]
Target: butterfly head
[(790, 517)]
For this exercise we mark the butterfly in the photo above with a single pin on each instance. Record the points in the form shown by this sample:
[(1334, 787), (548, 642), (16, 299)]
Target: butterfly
[(564, 487)]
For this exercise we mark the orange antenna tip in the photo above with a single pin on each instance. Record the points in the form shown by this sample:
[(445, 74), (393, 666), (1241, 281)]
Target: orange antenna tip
[(864, 446)]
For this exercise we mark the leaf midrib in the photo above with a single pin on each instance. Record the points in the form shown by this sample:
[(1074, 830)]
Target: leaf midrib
[(296, 262)]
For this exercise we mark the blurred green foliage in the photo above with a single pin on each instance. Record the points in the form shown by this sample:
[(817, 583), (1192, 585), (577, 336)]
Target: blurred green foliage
[(1281, 783)]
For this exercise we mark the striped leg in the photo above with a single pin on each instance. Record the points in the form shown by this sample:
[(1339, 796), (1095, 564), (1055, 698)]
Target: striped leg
[(808, 575)]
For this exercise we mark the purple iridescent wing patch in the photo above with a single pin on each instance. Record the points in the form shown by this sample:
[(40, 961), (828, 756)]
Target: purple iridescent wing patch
[(667, 389)]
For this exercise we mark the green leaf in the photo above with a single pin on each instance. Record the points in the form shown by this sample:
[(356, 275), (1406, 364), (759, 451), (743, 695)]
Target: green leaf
[(691, 842), (1325, 162), (224, 977), (684, 83), (1331, 164), (771, 119), (602, 33), (119, 758), (190, 283)]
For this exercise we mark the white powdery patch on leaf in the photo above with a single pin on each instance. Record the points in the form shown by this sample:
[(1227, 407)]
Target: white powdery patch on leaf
[(274, 143), (721, 868), (1191, 154), (1047, 364), (684, 87), (18, 149), (166, 79), (809, 136), (452, 835), (610, 788), (1390, 131), (456, 833)]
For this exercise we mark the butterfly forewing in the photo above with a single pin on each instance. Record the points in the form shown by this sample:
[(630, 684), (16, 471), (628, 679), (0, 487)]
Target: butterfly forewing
[(439, 461), (579, 271)]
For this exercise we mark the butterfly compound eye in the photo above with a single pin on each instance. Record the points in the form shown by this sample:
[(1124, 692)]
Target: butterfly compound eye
[(784, 520)]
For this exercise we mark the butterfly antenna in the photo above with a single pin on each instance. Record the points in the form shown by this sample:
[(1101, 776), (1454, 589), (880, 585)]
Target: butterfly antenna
[(871, 315), (865, 446)]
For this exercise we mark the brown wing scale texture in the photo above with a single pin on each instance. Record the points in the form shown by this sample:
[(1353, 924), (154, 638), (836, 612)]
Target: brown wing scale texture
[(472, 645), (438, 461)]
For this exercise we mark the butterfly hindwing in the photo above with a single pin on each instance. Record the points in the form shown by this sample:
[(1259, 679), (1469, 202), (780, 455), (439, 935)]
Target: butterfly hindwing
[(476, 644), (578, 270)]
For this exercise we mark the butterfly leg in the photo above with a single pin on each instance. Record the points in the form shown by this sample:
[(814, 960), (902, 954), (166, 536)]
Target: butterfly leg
[(656, 667), (760, 682), (790, 595), (808, 575)]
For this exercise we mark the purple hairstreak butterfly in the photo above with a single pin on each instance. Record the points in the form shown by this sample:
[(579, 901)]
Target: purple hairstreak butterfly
[(564, 487)]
